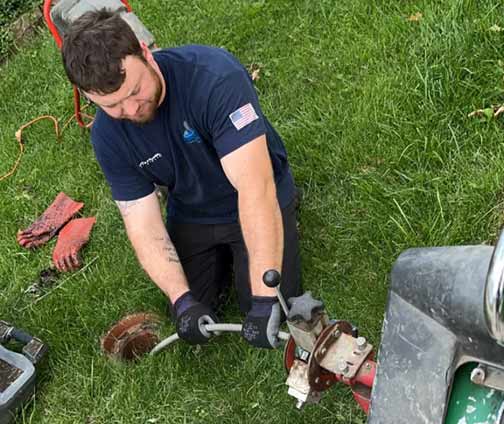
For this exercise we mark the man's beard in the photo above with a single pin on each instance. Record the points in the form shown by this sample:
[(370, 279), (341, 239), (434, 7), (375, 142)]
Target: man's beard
[(151, 105)]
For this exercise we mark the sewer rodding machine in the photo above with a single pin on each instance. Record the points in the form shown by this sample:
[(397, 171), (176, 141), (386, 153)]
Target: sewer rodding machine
[(441, 358)]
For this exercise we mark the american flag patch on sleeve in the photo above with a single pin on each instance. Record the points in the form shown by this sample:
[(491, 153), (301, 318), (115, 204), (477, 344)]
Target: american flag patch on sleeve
[(243, 116)]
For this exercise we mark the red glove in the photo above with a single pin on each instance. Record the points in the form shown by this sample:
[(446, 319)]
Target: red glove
[(48, 224), (71, 238)]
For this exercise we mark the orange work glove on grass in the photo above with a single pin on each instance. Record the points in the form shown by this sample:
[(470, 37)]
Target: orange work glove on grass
[(71, 238), (47, 225)]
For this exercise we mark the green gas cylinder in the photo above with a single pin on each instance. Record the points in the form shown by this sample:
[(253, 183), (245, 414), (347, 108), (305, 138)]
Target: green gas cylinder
[(471, 403)]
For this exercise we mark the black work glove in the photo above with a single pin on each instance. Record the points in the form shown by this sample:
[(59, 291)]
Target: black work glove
[(191, 316), (262, 322)]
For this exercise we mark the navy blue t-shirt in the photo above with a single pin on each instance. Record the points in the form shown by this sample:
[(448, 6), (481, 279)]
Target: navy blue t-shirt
[(210, 109)]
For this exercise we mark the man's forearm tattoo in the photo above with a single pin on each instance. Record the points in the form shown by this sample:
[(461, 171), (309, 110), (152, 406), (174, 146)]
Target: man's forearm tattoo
[(125, 206), (170, 251)]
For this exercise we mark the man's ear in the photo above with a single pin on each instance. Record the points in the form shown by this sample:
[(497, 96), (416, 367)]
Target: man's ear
[(86, 96), (146, 53)]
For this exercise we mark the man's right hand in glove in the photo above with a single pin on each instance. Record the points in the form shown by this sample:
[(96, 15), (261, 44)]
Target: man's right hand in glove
[(191, 316), (262, 322)]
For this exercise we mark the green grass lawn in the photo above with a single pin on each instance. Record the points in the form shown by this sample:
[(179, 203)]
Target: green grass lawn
[(373, 109)]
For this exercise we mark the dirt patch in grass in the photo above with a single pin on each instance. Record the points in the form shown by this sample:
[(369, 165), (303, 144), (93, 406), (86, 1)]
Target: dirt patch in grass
[(19, 22)]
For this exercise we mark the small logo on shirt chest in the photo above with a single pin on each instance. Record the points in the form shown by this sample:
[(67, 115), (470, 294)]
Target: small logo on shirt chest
[(190, 135), (151, 160)]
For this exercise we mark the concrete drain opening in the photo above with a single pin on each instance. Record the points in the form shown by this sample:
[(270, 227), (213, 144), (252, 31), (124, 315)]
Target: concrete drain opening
[(132, 337)]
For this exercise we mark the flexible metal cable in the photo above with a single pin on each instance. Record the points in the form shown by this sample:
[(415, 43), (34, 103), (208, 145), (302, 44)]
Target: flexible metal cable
[(211, 328)]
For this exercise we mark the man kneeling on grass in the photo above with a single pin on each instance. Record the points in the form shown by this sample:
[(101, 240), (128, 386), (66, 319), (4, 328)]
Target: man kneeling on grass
[(189, 118)]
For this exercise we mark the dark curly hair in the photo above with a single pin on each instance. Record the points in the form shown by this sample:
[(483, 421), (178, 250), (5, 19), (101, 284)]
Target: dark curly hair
[(94, 48)]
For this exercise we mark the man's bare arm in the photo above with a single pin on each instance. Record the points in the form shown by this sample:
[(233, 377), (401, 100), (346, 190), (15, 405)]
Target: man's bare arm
[(154, 249), (249, 170)]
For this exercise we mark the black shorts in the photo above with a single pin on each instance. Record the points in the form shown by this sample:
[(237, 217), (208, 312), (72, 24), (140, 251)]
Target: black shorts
[(212, 254)]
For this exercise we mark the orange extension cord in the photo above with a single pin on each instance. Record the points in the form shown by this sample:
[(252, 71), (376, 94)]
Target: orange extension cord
[(19, 135)]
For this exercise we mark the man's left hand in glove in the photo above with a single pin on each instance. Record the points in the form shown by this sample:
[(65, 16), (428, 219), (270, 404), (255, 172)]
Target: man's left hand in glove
[(191, 316), (262, 322)]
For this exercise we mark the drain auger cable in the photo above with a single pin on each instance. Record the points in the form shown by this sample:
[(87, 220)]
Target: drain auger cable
[(210, 328)]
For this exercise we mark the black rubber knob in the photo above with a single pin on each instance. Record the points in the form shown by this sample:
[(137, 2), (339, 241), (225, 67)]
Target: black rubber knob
[(271, 278)]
